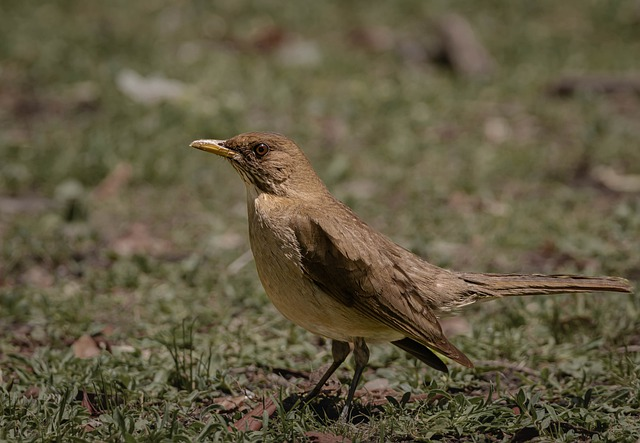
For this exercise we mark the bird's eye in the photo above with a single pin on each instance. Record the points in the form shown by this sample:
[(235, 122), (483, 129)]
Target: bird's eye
[(261, 149)]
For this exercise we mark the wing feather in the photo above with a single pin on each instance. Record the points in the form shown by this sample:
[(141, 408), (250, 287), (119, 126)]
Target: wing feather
[(370, 279)]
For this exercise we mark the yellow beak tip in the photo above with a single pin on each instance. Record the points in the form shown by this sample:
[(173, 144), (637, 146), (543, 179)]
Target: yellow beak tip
[(212, 146)]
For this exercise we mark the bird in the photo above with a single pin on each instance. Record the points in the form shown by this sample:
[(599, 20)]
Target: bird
[(329, 272)]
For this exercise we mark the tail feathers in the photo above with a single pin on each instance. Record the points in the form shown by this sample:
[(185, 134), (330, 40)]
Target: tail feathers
[(504, 285), (422, 353)]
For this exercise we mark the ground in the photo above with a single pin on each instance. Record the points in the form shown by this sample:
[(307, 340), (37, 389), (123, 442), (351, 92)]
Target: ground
[(130, 309)]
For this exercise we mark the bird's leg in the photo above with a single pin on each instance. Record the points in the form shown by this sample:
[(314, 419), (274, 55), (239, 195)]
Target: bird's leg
[(361, 358), (340, 351)]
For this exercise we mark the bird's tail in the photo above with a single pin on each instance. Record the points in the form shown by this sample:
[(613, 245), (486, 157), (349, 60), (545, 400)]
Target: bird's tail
[(504, 285)]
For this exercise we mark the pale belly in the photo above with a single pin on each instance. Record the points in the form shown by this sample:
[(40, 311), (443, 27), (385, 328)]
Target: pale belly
[(320, 314), (304, 303)]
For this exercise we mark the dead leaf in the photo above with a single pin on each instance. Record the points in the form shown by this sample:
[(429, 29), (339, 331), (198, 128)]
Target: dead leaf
[(85, 347), (88, 405), (230, 404), (462, 49), (614, 181), (32, 392), (252, 421)]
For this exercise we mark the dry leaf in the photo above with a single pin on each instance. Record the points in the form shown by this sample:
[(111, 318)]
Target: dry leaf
[(613, 180), (88, 405), (32, 392), (85, 347), (252, 420), (462, 49), (230, 404)]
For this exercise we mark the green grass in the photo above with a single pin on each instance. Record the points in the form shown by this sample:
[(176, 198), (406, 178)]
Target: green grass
[(491, 175)]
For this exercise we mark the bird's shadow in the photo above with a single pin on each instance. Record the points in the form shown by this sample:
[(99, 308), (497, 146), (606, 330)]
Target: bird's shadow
[(328, 408)]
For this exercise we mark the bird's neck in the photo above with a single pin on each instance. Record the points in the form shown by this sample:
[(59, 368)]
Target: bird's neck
[(314, 192)]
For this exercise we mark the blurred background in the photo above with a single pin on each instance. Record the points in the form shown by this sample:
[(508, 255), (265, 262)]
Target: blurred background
[(485, 136)]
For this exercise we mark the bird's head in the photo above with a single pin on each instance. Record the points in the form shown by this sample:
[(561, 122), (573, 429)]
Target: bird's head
[(268, 162)]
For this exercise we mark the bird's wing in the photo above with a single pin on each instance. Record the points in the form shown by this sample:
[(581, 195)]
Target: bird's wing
[(368, 279)]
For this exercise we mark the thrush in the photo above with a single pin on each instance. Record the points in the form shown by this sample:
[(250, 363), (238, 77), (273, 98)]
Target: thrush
[(329, 272)]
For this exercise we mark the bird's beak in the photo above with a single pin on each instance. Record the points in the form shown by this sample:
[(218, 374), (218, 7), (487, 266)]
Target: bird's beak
[(214, 146)]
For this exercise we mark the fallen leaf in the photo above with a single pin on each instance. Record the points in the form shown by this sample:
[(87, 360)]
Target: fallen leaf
[(614, 181), (88, 405), (252, 420), (85, 347), (230, 404), (462, 49), (32, 392)]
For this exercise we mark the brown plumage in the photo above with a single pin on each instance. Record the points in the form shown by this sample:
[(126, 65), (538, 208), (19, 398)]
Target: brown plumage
[(332, 274)]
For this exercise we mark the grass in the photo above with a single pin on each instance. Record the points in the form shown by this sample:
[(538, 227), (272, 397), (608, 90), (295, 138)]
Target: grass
[(492, 175)]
